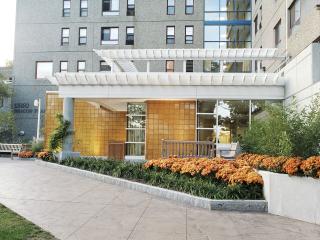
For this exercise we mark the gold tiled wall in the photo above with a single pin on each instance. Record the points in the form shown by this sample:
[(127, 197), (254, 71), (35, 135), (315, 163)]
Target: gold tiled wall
[(171, 120), (94, 127)]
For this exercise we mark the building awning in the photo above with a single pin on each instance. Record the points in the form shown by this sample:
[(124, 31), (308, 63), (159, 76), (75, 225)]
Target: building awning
[(167, 79), (232, 54)]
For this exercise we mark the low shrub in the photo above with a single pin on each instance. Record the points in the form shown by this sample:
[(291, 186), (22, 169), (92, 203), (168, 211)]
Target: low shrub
[(294, 166), (37, 146), (25, 154), (243, 184), (47, 156)]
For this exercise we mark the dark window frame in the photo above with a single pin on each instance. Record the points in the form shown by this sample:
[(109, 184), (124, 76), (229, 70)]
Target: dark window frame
[(167, 69), (190, 66), (84, 11), (107, 65), (86, 37), (85, 65), (292, 15), (129, 35), (60, 69), (102, 35), (171, 7), (186, 40), (170, 39), (131, 8), (188, 7), (66, 12), (277, 33), (63, 38)]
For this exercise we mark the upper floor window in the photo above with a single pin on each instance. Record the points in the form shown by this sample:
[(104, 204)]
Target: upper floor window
[(189, 35), (170, 34), (130, 36), (171, 8), (294, 13), (109, 35), (130, 8), (277, 38), (83, 8), (66, 8), (82, 36), (65, 36), (110, 7), (44, 70), (104, 67), (189, 7), (256, 26), (81, 66), (63, 66), (169, 66)]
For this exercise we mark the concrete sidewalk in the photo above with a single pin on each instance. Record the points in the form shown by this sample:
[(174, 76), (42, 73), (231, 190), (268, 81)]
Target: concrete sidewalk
[(73, 207)]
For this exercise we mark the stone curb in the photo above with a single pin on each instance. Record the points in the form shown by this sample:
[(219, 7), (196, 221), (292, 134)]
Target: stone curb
[(226, 205)]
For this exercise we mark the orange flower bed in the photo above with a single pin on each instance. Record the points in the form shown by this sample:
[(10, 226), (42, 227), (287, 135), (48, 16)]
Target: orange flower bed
[(25, 154), (289, 165), (231, 172)]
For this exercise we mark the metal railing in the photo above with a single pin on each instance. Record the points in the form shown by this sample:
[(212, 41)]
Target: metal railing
[(183, 149)]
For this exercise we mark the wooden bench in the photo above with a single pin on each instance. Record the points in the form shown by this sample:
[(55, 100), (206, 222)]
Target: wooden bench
[(11, 148)]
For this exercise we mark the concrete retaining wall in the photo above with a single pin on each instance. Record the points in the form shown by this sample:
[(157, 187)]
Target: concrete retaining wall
[(227, 205), (293, 197)]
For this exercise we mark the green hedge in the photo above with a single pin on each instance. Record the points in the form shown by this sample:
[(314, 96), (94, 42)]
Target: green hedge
[(197, 185)]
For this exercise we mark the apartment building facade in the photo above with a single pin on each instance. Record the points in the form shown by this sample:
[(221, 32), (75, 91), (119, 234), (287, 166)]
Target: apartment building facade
[(294, 27)]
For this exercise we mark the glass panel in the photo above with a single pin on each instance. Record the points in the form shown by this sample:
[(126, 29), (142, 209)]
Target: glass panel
[(211, 33), (258, 108), (211, 66), (135, 149), (233, 120), (206, 106), (136, 121), (237, 67), (206, 121), (211, 5), (136, 135), (136, 109), (44, 69), (207, 135)]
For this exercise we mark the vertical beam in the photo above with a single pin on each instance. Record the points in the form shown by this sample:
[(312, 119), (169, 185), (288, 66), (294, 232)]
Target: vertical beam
[(184, 66), (221, 66), (68, 114), (148, 66)]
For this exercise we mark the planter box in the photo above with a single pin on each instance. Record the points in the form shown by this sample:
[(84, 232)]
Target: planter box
[(292, 197)]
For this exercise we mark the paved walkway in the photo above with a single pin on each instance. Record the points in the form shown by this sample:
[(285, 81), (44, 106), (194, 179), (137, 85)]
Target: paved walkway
[(73, 207)]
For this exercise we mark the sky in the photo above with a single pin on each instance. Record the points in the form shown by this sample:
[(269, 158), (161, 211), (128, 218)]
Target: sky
[(7, 26)]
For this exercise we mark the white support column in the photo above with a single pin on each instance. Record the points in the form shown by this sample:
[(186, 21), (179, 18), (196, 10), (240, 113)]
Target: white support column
[(221, 66), (253, 66), (259, 66), (148, 66), (68, 115), (184, 66)]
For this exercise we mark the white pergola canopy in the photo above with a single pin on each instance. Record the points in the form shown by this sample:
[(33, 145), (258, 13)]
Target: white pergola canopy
[(231, 54)]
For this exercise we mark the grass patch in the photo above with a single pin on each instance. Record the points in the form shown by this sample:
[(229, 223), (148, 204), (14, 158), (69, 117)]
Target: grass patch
[(207, 187), (15, 227)]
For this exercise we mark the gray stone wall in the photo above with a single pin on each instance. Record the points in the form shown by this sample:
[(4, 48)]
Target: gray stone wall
[(38, 36)]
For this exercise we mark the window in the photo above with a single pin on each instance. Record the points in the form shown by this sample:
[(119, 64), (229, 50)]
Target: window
[(170, 35), (110, 7), (189, 66), (63, 66), (277, 38), (65, 35), (66, 8), (189, 7), (294, 13), (189, 35), (171, 9), (169, 66), (82, 36), (104, 67), (44, 70), (81, 66), (136, 129), (130, 8), (83, 8), (130, 36), (109, 35)]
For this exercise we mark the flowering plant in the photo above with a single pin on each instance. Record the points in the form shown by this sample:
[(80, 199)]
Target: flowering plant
[(25, 154)]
